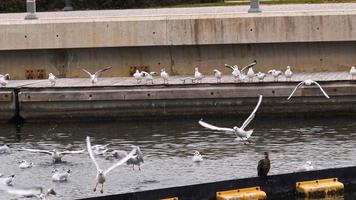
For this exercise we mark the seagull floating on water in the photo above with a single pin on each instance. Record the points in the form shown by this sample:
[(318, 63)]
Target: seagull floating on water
[(56, 155), (198, 76), (94, 77), (217, 75), (240, 132), (261, 76), (136, 159), (353, 73), (52, 79), (4, 149), (306, 167), (3, 79), (101, 174), (60, 176), (24, 164), (8, 180), (164, 76), (197, 157), (148, 76), (308, 82), (288, 73)]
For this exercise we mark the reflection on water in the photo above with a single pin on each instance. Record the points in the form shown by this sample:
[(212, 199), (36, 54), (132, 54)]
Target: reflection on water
[(168, 147)]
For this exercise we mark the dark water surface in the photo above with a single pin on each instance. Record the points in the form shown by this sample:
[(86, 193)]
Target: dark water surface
[(168, 147)]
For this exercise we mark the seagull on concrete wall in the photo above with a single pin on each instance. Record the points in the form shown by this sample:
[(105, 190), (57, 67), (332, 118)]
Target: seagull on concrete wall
[(148, 76), (353, 73), (198, 76), (250, 73), (3, 79), (275, 74), (217, 75), (261, 76), (288, 74), (236, 73), (164, 76), (240, 132), (52, 79), (308, 82), (94, 77), (138, 76)]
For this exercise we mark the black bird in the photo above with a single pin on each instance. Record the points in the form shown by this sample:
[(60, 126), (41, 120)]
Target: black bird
[(263, 166)]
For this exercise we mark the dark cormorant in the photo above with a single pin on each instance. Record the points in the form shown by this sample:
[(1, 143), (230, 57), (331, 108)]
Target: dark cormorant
[(263, 166)]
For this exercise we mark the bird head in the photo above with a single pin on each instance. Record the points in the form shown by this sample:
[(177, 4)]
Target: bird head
[(12, 176), (163, 70), (22, 161), (50, 74), (235, 128), (215, 71), (353, 68), (101, 172), (54, 170), (309, 163), (196, 153), (51, 191), (288, 67), (69, 171), (196, 69), (265, 154)]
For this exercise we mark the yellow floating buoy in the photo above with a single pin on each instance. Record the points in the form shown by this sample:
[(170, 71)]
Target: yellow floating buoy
[(319, 188), (252, 193), (172, 198)]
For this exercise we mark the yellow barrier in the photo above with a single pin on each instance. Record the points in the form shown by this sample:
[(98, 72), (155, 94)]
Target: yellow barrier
[(252, 193), (173, 198), (319, 188)]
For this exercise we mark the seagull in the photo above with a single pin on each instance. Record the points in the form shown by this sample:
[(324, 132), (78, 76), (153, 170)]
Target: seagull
[(60, 176), (240, 132), (137, 158), (94, 77), (308, 82), (8, 180), (264, 165), (235, 71), (197, 157), (56, 155), (261, 76), (24, 164), (138, 76), (3, 79), (353, 73), (217, 75), (28, 192), (198, 76), (288, 73), (52, 79), (164, 76), (101, 174), (149, 76), (99, 149), (250, 73), (4, 149), (306, 167), (275, 74)]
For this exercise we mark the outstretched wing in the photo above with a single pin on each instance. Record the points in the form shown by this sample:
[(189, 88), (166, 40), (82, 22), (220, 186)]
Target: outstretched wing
[(86, 72), (299, 84), (252, 115), (71, 152), (91, 154), (212, 127), (38, 151), (229, 66), (326, 95), (249, 66), (130, 155), (98, 73), (145, 73)]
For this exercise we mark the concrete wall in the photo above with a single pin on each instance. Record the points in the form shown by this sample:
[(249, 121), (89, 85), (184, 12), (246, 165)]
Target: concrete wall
[(179, 60)]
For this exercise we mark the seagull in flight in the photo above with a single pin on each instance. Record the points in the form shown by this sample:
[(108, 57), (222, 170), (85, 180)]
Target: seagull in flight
[(240, 132), (56, 155), (101, 174), (308, 82), (94, 77), (52, 79)]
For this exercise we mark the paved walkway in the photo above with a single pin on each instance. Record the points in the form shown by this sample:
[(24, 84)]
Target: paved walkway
[(174, 80)]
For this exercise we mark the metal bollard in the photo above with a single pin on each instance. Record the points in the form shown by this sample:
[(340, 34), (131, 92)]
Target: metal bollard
[(31, 9), (67, 5), (254, 6)]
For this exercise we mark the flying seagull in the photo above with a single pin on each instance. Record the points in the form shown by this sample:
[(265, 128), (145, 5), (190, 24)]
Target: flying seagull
[(56, 155), (250, 73), (240, 132), (308, 82), (52, 79), (94, 77), (101, 174)]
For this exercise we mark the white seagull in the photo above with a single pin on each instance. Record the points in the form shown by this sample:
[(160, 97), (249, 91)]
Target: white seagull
[(136, 159), (353, 73), (164, 76), (250, 73), (8, 180), (56, 155), (197, 75), (101, 174), (60, 176), (197, 157), (240, 132), (24, 164), (235, 71), (52, 79), (3, 79), (308, 82), (217, 75), (149, 76), (28, 192), (94, 77), (306, 167), (275, 74), (4, 149), (138, 76), (261, 76), (288, 73)]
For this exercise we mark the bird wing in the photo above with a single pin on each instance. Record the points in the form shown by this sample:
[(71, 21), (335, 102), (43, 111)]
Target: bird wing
[(121, 161), (86, 72), (252, 115), (71, 152), (97, 73), (229, 66), (269, 71), (296, 87), (145, 73), (152, 73), (326, 95), (212, 127), (249, 66), (38, 151), (91, 154)]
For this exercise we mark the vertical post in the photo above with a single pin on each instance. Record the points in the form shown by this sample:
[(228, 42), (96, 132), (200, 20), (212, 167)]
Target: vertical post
[(31, 9), (254, 6), (67, 5)]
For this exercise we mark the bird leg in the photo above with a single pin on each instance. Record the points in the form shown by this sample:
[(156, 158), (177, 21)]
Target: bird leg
[(133, 167), (102, 188), (139, 167), (96, 185)]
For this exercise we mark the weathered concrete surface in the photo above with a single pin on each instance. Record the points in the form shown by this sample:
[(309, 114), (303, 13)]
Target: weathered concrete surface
[(7, 105)]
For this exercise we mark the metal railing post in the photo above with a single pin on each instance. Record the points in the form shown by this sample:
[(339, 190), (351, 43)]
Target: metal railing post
[(31, 9), (254, 6), (68, 5)]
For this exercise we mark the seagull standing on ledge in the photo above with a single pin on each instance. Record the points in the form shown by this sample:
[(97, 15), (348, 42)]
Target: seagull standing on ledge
[(235, 71), (288, 74), (101, 174), (149, 76), (308, 82), (261, 76), (240, 132), (250, 73), (275, 74), (56, 155), (52, 79), (197, 157), (94, 77), (198, 76), (164, 76), (138, 76), (3, 79), (217, 75), (353, 73)]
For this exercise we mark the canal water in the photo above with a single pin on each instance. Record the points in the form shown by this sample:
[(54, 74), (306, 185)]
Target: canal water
[(168, 147)]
